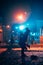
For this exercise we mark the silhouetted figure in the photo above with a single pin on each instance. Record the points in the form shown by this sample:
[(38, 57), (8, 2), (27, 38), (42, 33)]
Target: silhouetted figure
[(11, 43), (22, 43)]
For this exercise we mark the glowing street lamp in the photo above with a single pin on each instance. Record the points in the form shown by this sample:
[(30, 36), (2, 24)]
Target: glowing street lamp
[(20, 17)]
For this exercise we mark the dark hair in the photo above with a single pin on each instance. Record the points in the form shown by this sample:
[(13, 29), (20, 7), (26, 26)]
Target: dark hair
[(27, 29)]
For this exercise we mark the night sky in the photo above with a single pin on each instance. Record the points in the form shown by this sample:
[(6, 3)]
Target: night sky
[(9, 6)]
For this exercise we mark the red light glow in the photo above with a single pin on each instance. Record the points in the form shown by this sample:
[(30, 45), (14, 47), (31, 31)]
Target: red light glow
[(8, 26), (20, 16), (1, 30)]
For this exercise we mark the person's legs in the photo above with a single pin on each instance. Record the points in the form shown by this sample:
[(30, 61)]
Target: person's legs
[(23, 56), (22, 51)]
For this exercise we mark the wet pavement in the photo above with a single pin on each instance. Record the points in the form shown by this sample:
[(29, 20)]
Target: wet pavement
[(13, 57)]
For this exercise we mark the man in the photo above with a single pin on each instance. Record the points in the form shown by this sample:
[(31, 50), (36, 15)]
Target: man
[(11, 43), (22, 43)]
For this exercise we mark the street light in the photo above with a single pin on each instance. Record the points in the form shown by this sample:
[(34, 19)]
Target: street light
[(20, 16)]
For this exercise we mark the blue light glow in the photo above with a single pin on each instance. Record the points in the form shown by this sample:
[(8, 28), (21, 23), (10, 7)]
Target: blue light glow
[(16, 27), (33, 34), (27, 24), (22, 27)]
